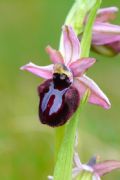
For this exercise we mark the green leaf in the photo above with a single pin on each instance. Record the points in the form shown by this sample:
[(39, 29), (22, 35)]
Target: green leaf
[(77, 14), (87, 34)]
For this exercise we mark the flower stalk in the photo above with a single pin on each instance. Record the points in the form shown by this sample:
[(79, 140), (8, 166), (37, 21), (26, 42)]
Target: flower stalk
[(63, 168), (87, 35), (76, 18), (59, 134)]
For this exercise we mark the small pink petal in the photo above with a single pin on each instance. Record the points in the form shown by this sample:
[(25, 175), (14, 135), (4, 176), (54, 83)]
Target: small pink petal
[(71, 45), (80, 66), (104, 33), (106, 167), (106, 28), (106, 14), (97, 97), (42, 71), (55, 56)]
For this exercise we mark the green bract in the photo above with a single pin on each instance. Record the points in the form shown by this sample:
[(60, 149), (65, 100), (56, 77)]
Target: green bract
[(78, 13)]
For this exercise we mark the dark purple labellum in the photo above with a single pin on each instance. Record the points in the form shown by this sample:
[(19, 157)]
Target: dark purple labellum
[(58, 100)]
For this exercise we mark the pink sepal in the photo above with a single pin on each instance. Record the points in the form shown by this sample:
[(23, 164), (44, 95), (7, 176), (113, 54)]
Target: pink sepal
[(41, 71)]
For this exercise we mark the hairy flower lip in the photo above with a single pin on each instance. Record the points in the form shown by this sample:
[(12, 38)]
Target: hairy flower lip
[(70, 57)]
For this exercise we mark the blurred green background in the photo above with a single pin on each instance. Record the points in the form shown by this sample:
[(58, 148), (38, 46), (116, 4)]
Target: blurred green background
[(26, 146)]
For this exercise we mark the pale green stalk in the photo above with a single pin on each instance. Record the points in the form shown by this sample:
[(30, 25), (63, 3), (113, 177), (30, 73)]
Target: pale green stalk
[(75, 18), (63, 167), (87, 35), (77, 14), (59, 134)]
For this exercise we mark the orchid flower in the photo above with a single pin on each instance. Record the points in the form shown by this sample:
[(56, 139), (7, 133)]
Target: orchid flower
[(92, 170), (97, 170), (106, 36), (66, 82)]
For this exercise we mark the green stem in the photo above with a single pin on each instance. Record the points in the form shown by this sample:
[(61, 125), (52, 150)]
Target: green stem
[(59, 134), (87, 35), (63, 168), (76, 16), (64, 156)]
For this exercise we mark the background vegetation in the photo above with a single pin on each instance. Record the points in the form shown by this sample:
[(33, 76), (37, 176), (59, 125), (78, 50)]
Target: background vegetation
[(26, 146)]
